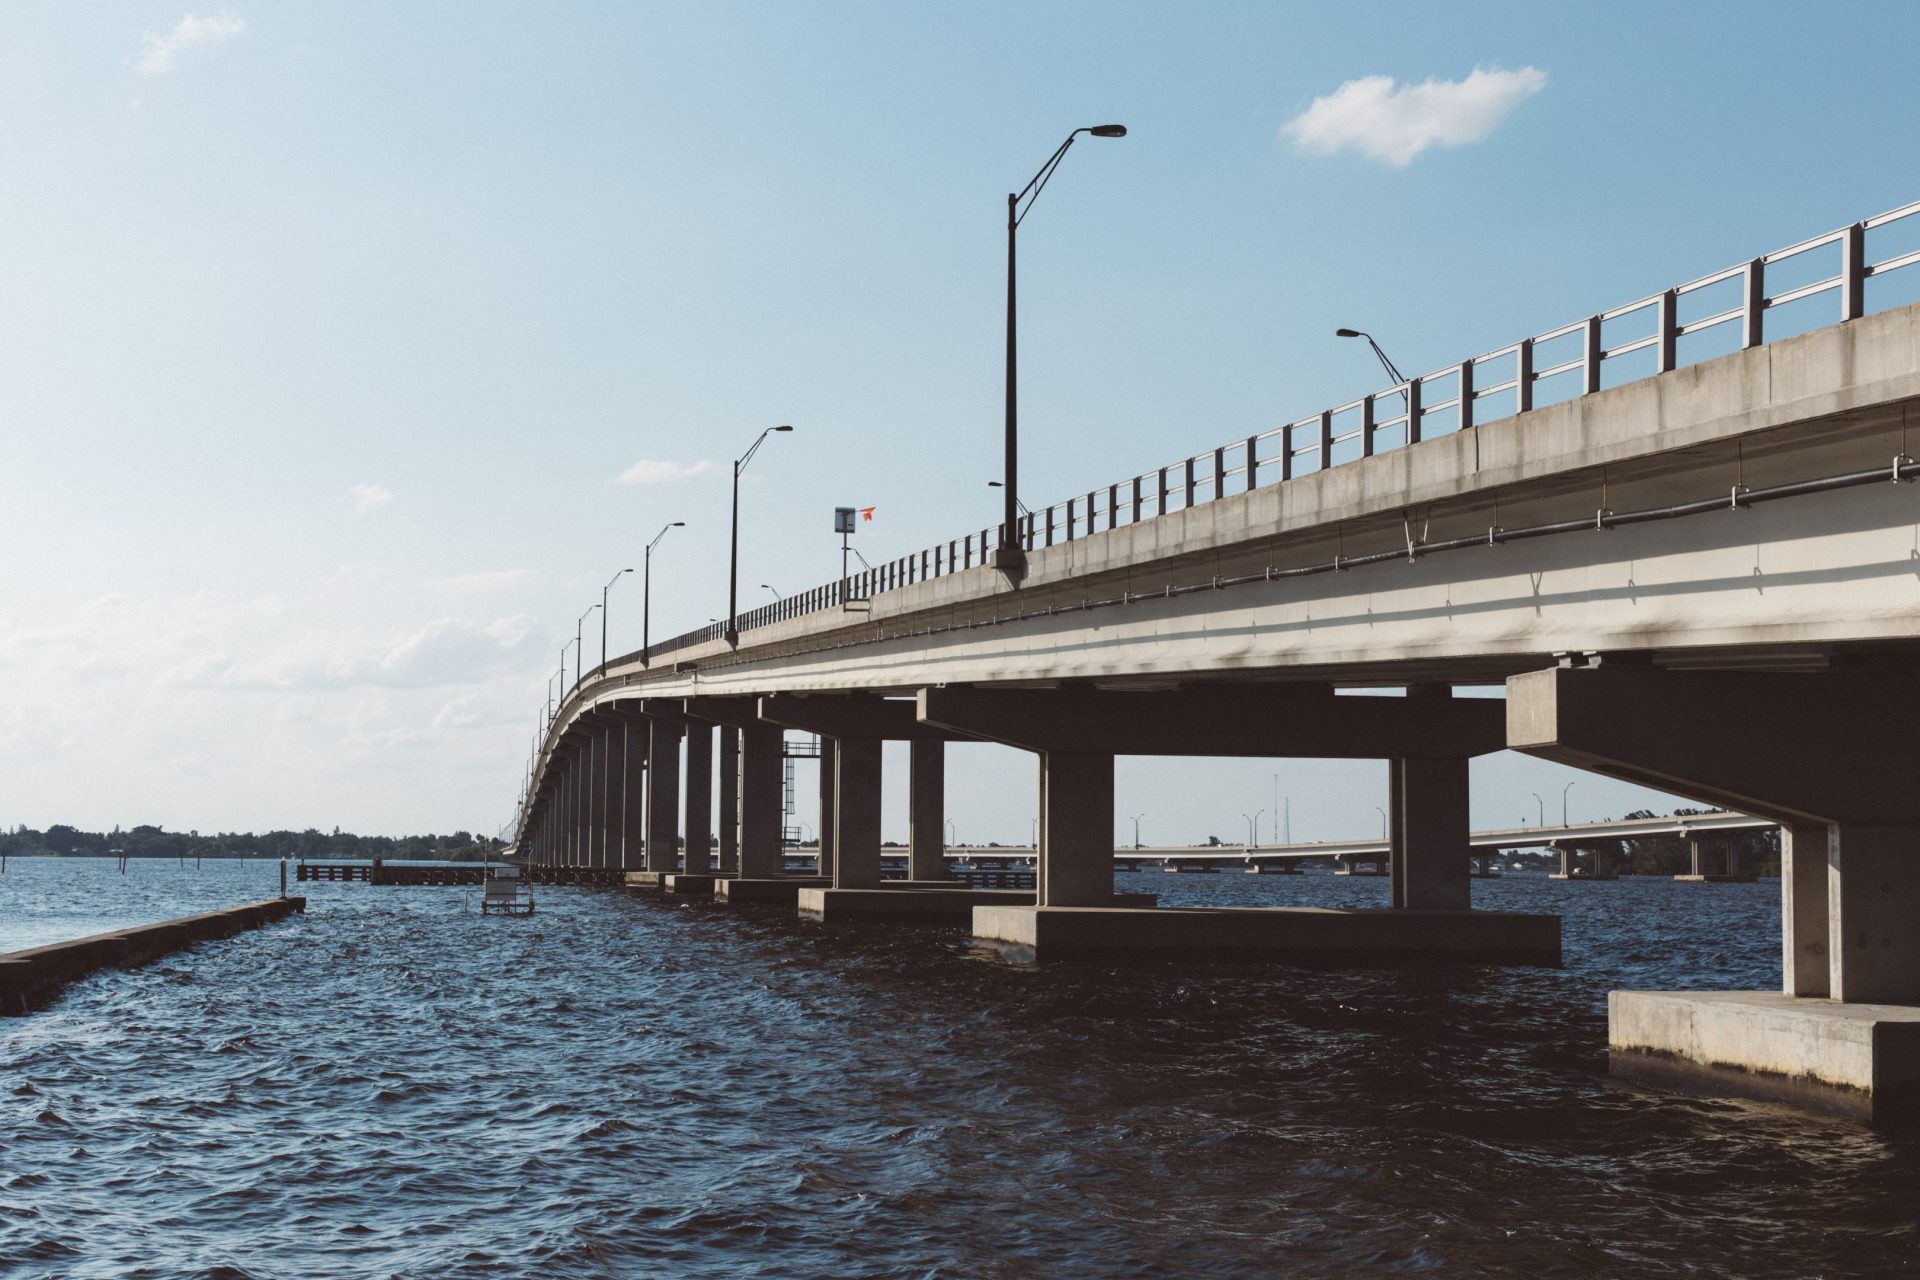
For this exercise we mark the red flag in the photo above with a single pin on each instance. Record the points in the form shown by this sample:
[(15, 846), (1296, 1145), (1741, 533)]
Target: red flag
[(866, 513)]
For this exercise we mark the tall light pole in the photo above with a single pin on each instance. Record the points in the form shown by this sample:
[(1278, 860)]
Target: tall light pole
[(646, 593), (1543, 808), (1392, 372), (1383, 821), (733, 561), (603, 617), (767, 586), (1253, 827), (1563, 801), (579, 652), (1009, 557), (1136, 829)]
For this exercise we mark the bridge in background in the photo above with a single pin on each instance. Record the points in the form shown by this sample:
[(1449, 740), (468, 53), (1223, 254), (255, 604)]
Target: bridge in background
[(1702, 577)]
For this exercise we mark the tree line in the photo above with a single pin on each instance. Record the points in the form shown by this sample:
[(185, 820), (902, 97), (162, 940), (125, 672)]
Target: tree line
[(60, 841)]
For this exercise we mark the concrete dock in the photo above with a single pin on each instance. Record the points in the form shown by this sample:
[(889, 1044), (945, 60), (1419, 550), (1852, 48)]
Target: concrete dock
[(30, 979)]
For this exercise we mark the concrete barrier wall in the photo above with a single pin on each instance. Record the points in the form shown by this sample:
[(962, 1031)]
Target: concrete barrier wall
[(30, 979)]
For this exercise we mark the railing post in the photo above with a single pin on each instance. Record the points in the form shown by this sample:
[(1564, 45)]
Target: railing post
[(1666, 332), (1590, 357), (1326, 439), (1366, 427), (1160, 500), (1187, 486), (1092, 509), (1286, 452), (1853, 272), (1752, 329), (1253, 463), (1466, 394), (1113, 506), (1219, 473), (1413, 410), (1136, 500), (1523, 376)]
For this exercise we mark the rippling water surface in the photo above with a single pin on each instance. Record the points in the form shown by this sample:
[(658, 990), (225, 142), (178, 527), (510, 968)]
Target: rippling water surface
[(394, 1085)]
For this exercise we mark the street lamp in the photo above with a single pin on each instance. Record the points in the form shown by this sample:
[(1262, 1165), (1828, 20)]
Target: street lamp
[(1383, 821), (1253, 827), (769, 587), (995, 484), (1563, 801), (733, 562), (1009, 558), (1386, 363), (603, 617), (1136, 829), (579, 653), (1543, 809), (646, 594)]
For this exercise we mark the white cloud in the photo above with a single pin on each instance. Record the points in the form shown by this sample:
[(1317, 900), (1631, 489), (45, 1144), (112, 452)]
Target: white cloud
[(368, 496), (649, 471), (1394, 123), (158, 54)]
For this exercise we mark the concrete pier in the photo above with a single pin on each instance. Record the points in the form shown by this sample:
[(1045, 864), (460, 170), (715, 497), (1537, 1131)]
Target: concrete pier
[(782, 891), (1054, 933), (1859, 1059), (30, 979)]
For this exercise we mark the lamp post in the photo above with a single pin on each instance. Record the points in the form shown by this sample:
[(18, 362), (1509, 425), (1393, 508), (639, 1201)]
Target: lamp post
[(1253, 827), (1563, 801), (1136, 829), (646, 593), (1009, 557), (995, 484), (1392, 372), (1383, 821), (579, 652), (733, 561), (1543, 809), (603, 617), (765, 586)]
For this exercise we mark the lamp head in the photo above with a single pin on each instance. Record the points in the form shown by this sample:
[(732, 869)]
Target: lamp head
[(678, 524), (1108, 131), (995, 484), (1348, 333), (783, 428)]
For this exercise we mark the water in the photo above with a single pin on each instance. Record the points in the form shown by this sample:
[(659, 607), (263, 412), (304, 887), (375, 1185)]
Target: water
[(393, 1086)]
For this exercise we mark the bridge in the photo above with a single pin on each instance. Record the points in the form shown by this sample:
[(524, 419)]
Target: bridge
[(1689, 552)]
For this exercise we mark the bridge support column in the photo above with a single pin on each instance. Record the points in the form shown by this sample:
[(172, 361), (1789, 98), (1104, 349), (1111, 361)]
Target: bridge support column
[(1429, 834), (856, 812), (760, 808), (1839, 781), (602, 784), (633, 794), (575, 825), (699, 821), (729, 800), (663, 794), (1076, 829), (828, 790), (927, 811)]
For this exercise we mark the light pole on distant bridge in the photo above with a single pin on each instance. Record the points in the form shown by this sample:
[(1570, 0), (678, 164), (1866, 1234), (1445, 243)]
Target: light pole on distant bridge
[(603, 618), (646, 594), (733, 561)]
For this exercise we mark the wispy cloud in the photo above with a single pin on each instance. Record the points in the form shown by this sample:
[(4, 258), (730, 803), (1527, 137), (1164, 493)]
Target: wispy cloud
[(1393, 122), (445, 651), (485, 582), (368, 496), (158, 54), (650, 471)]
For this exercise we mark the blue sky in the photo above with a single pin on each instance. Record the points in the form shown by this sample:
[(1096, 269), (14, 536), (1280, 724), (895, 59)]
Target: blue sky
[(327, 333)]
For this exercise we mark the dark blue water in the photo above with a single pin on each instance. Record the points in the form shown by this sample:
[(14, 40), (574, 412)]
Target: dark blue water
[(395, 1086)]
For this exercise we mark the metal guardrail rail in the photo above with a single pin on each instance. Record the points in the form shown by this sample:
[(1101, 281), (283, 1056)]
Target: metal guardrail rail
[(1446, 400)]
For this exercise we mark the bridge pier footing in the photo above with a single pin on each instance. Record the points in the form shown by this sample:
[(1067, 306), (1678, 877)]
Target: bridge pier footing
[(1844, 1031)]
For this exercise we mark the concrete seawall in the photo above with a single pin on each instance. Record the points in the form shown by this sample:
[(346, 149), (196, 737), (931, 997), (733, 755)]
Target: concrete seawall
[(31, 978)]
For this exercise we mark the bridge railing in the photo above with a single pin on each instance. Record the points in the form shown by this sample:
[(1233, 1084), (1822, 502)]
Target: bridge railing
[(1566, 362)]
